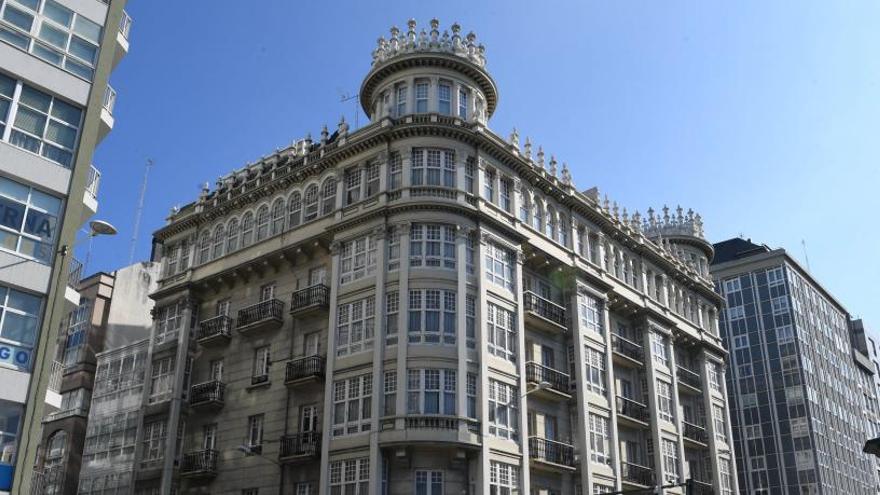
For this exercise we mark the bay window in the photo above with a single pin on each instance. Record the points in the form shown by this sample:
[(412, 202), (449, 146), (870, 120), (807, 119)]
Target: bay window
[(664, 400), (357, 259), (444, 98), (169, 321), (501, 332), (421, 96), (328, 196), (503, 410), (503, 479), (432, 167), (161, 380), (590, 313), (432, 245), (599, 439), (595, 372), (311, 203), (431, 313), (352, 400), (355, 326), (463, 103), (350, 477), (395, 171), (430, 391), (499, 265)]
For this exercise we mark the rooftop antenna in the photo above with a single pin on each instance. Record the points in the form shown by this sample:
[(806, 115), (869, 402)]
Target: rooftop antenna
[(139, 212), (344, 97), (806, 258)]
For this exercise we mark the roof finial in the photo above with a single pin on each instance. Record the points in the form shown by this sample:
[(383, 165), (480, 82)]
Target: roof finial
[(541, 157), (527, 148), (514, 139), (324, 135), (552, 166), (566, 174)]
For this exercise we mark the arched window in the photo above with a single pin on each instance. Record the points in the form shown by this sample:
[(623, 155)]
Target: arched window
[(294, 208), (525, 207), (219, 240), (247, 229), (232, 235), (262, 222), (538, 216), (278, 216), (311, 200), (205, 247), (55, 448), (550, 225), (328, 196)]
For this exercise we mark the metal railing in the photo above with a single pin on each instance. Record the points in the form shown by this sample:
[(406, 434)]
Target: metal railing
[(632, 409), (265, 310), (213, 391), (215, 327), (258, 379), (109, 99), (695, 432), (542, 307), (93, 181), (202, 461), (703, 488), (316, 295), (301, 444), (538, 373), (627, 348), (689, 377), (547, 450), (74, 273), (304, 368), (634, 473), (55, 377), (125, 25)]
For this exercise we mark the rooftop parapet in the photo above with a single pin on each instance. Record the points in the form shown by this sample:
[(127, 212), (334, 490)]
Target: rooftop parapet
[(677, 224), (410, 42)]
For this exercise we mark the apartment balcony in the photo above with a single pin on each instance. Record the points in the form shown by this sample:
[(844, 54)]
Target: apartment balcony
[(627, 352), (695, 433), (690, 379), (90, 194), (550, 383), (430, 429), (53, 390), (122, 38), (550, 454), (304, 370), (200, 464), (635, 412), (544, 314), (215, 331), (300, 447), (635, 474), (74, 275), (107, 120), (314, 298), (702, 488), (208, 395), (266, 315)]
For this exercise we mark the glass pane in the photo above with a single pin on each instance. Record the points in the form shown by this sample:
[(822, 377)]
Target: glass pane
[(32, 4), (57, 154), (87, 29), (19, 328), (35, 99), (57, 13), (19, 18), (13, 38), (7, 85), (24, 141), (83, 49), (24, 302), (47, 54), (66, 113), (40, 225), (4, 108), (30, 121), (79, 69), (61, 134), (13, 189), (8, 241), (13, 214), (45, 202), (54, 36)]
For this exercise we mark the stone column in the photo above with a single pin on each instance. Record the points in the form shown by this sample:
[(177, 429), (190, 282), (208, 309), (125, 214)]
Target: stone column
[(612, 396), (582, 429), (521, 367), (380, 234), (405, 171), (653, 408), (324, 486), (676, 408), (482, 341), (461, 238), (402, 328)]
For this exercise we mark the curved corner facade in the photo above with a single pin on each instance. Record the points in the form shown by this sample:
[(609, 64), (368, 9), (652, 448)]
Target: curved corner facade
[(421, 306)]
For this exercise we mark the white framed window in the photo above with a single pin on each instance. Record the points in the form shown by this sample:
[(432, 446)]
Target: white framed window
[(463, 103), (732, 285), (784, 334), (659, 349), (669, 452), (470, 249), (503, 410), (432, 167), (740, 341), (219, 242), (724, 477), (501, 332), (19, 324), (599, 439), (392, 316), (352, 400), (595, 372), (161, 380), (255, 432), (470, 174), (267, 292), (429, 483), (216, 369), (504, 194), (503, 478), (714, 376), (355, 326), (371, 179), (432, 245), (204, 247), (471, 391), (775, 277), (430, 391), (232, 235), (304, 489), (357, 259), (664, 400), (350, 477), (489, 177), (262, 361), (719, 418), (590, 313), (278, 213), (470, 302), (353, 179), (400, 97), (736, 312), (310, 198), (499, 265), (209, 436), (431, 316), (79, 324), (421, 96), (262, 222), (444, 98), (294, 210), (28, 218), (154, 442), (247, 229), (393, 241), (779, 305), (395, 171), (328, 196), (390, 389)]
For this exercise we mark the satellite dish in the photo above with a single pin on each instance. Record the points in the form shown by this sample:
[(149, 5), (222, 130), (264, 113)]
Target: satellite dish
[(100, 227)]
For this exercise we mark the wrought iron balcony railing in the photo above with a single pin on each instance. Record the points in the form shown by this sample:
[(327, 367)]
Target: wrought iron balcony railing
[(634, 473), (265, 310), (695, 432), (310, 366), (218, 326), (213, 391), (627, 348), (314, 296), (301, 444), (689, 377), (632, 409), (538, 373), (548, 310), (547, 450), (199, 462)]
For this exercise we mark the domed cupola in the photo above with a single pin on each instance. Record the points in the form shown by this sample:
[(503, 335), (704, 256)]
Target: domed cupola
[(681, 234), (429, 73)]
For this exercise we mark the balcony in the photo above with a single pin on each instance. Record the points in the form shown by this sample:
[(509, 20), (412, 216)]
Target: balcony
[(207, 395), (266, 315), (557, 383), (689, 378), (544, 314), (107, 120), (200, 464), (632, 410), (215, 331), (300, 447), (631, 352), (635, 474), (53, 389), (702, 488), (304, 370), (74, 275), (90, 195), (122, 38), (552, 454), (310, 299), (430, 429), (695, 433)]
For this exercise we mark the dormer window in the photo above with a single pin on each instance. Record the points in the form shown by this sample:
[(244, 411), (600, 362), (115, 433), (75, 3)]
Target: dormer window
[(444, 98), (401, 100), (421, 96)]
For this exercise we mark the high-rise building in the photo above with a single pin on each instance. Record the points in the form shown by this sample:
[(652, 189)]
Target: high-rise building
[(865, 345), (55, 107), (797, 384), (113, 313), (422, 306)]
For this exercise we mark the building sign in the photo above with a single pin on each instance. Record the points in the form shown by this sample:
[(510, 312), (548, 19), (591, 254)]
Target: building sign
[(12, 215), (15, 357)]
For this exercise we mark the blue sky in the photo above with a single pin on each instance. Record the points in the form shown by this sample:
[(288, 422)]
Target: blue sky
[(762, 116)]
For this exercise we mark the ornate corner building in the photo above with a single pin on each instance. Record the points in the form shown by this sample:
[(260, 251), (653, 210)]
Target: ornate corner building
[(423, 306)]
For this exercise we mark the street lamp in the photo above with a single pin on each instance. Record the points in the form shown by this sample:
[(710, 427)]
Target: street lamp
[(96, 228)]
